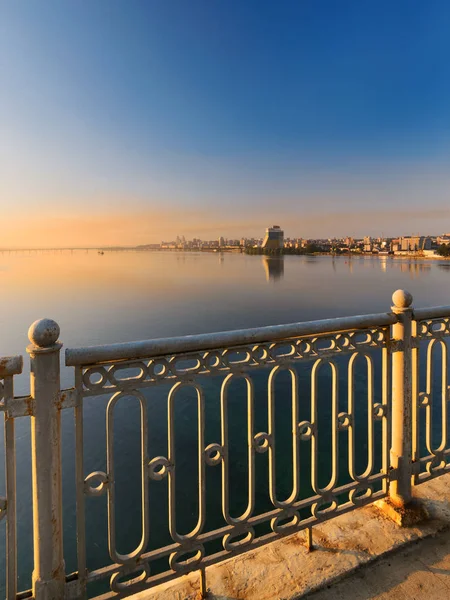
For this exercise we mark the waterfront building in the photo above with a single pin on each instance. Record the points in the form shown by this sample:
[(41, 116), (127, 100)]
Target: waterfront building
[(274, 238), (415, 243), (367, 244), (443, 239)]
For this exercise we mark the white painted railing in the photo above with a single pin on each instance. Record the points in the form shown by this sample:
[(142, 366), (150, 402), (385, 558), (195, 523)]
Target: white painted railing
[(399, 436)]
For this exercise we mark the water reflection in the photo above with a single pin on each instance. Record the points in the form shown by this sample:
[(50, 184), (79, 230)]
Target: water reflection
[(415, 269), (124, 296), (274, 267)]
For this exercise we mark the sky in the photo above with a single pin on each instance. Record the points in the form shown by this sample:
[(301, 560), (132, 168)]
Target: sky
[(128, 122)]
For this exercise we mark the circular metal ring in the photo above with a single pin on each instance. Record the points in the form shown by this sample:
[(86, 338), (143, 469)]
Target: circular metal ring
[(262, 442), (158, 468), (344, 421), (96, 483), (379, 411), (213, 454), (162, 364), (305, 430), (93, 385)]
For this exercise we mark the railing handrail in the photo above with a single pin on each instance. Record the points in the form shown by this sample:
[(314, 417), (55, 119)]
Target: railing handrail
[(431, 312), (175, 345), (11, 365)]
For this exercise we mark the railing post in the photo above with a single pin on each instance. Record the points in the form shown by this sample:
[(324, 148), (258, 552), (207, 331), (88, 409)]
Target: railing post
[(400, 491), (400, 506), (44, 351)]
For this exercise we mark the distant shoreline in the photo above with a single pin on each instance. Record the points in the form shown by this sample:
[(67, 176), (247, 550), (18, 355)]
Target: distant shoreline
[(225, 251)]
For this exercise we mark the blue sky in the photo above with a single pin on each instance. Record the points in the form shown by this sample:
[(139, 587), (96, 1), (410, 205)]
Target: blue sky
[(132, 121)]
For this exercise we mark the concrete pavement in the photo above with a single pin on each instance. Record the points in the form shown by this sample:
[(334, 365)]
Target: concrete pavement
[(421, 572)]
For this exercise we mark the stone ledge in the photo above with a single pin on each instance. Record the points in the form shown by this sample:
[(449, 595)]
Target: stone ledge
[(285, 570)]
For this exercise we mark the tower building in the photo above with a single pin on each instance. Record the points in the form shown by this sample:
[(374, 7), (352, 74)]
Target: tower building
[(274, 238)]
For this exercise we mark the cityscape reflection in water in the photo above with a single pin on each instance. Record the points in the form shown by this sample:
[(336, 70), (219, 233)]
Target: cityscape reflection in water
[(273, 267)]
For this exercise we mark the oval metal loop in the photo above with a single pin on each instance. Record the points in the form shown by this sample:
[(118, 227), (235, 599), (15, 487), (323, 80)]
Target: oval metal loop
[(437, 326), (190, 564), (292, 518), (277, 353), (360, 494), (177, 368), (230, 543), (318, 344), (261, 442), (227, 357), (200, 444), (95, 385), (116, 369), (100, 481), (119, 396), (362, 338), (322, 513), (159, 467), (120, 586), (213, 454)]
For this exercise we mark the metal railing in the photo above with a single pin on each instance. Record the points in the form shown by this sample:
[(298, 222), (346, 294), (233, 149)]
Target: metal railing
[(356, 420), (9, 367)]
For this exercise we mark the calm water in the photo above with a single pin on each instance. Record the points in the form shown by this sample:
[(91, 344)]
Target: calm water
[(124, 296)]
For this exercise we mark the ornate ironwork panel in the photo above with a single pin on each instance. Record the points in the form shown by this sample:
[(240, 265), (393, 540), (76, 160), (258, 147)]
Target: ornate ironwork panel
[(431, 397), (303, 367)]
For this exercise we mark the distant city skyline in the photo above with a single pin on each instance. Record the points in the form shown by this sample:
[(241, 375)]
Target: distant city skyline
[(222, 240), (124, 123)]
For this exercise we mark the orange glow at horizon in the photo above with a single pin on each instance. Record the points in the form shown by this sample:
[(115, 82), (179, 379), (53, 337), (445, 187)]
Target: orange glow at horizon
[(136, 227)]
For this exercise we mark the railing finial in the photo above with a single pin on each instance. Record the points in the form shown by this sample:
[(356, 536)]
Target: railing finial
[(401, 299), (44, 333)]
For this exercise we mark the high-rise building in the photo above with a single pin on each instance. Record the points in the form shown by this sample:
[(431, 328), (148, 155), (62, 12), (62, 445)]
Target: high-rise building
[(414, 243), (221, 242), (274, 238)]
